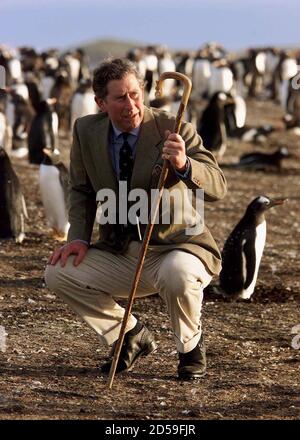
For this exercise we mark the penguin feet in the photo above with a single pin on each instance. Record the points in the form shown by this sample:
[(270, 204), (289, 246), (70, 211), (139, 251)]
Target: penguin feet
[(19, 238), (59, 235)]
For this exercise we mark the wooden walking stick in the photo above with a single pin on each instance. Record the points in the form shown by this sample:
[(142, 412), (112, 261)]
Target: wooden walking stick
[(154, 209)]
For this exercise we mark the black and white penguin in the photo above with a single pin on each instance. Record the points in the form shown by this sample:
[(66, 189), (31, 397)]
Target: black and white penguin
[(262, 161), (43, 132), (53, 179), (235, 123), (244, 248), (211, 125), (83, 102), (5, 129), (19, 116), (254, 134), (12, 203)]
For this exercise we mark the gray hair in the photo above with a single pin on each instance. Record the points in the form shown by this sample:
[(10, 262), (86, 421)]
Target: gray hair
[(113, 69)]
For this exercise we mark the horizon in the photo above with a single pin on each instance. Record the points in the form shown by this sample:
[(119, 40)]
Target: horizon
[(184, 25)]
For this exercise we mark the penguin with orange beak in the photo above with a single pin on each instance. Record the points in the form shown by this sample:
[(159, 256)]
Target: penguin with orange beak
[(244, 248)]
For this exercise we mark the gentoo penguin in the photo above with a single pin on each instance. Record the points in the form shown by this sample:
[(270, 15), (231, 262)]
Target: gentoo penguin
[(19, 117), (83, 102), (53, 178), (221, 79), (243, 249), (262, 161), (12, 204), (211, 125), (5, 129), (235, 122), (43, 132)]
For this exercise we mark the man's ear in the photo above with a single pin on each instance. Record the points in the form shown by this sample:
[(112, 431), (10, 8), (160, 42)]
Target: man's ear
[(100, 103)]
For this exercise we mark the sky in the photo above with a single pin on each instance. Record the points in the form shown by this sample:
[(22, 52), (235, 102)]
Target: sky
[(178, 24)]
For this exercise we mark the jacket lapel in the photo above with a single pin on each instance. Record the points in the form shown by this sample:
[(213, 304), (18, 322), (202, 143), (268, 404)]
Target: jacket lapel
[(99, 146), (147, 152)]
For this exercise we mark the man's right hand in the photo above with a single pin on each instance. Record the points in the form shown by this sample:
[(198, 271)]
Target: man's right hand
[(76, 247)]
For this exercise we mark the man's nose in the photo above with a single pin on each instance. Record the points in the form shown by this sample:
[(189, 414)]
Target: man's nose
[(129, 103)]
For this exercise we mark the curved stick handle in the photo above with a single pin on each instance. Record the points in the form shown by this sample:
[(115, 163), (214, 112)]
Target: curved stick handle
[(187, 87)]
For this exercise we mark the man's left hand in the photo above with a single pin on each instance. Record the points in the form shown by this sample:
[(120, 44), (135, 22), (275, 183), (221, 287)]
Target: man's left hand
[(174, 151)]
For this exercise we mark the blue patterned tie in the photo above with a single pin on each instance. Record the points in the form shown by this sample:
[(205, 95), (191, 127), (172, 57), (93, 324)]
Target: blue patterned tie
[(126, 160)]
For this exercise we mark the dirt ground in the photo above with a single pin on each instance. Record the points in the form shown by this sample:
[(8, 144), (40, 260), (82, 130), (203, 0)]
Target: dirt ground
[(49, 369)]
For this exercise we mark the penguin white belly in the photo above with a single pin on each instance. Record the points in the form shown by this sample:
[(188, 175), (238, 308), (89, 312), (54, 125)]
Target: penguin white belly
[(55, 123), (284, 94), (141, 66), (15, 68), (189, 67), (151, 62), (74, 68), (260, 62), (53, 198), (22, 90), (2, 129), (240, 111), (221, 80), (89, 105), (167, 65), (201, 76), (289, 69), (82, 105), (260, 240), (76, 107), (10, 112)]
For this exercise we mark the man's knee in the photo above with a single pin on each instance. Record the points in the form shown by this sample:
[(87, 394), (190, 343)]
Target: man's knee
[(182, 271), (175, 274), (51, 277)]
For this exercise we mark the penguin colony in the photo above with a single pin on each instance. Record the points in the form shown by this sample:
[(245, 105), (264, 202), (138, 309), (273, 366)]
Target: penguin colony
[(46, 92)]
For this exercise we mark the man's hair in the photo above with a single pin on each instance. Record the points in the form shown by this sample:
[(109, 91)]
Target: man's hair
[(112, 69)]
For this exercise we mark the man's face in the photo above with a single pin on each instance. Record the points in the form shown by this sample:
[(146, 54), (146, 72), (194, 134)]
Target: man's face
[(124, 102)]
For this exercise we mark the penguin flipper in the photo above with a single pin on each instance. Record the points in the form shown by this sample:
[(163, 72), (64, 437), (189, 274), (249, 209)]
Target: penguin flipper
[(25, 212), (250, 260), (16, 208)]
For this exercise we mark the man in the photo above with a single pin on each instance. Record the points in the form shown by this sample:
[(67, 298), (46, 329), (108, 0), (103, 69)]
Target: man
[(177, 265)]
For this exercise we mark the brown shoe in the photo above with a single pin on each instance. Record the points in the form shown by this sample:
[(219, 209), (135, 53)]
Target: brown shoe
[(133, 347), (192, 365)]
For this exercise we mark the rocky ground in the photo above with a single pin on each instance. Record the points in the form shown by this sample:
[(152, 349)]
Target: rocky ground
[(49, 367)]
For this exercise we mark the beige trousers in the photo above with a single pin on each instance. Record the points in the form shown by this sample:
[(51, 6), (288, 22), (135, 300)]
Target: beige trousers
[(90, 289)]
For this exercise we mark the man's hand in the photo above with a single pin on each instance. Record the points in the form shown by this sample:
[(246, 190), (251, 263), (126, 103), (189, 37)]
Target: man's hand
[(75, 247), (174, 151)]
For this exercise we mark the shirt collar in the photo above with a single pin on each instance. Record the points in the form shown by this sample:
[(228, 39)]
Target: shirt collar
[(117, 132)]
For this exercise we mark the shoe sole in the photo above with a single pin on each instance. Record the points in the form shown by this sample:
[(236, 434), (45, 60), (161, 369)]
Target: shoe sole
[(191, 377)]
